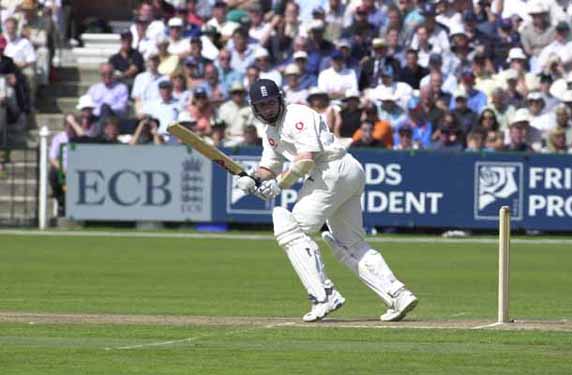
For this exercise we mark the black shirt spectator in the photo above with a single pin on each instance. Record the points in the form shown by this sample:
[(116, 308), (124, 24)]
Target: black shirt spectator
[(412, 72), (350, 115), (128, 61)]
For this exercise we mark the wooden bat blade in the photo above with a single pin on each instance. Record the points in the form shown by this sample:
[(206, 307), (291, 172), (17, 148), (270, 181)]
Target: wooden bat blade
[(188, 137)]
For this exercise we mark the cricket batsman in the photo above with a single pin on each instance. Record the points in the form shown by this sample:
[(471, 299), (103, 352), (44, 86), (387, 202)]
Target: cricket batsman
[(331, 194)]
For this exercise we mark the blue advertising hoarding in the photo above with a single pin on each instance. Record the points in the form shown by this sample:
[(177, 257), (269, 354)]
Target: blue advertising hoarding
[(433, 189)]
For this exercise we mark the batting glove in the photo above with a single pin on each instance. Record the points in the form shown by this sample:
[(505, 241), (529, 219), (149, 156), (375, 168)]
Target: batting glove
[(247, 184), (269, 189)]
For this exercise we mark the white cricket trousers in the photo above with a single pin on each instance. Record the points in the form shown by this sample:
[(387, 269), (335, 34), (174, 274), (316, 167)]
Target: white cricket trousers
[(332, 194)]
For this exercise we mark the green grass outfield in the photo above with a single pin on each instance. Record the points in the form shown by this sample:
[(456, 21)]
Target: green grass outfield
[(223, 279)]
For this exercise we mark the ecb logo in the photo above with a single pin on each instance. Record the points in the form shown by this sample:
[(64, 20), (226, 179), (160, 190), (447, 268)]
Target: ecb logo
[(238, 202), (498, 184)]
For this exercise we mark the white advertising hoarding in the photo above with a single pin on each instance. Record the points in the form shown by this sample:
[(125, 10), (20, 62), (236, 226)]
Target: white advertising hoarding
[(121, 182)]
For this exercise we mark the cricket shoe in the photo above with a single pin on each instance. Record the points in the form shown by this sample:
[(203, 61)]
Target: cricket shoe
[(335, 299), (403, 302), (318, 312)]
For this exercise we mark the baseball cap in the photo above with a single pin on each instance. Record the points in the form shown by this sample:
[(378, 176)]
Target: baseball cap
[(351, 93), (562, 26), (318, 11), (125, 35), (300, 55), (516, 54), (165, 84), (85, 101), (237, 86), (537, 7), (343, 43), (292, 69), (378, 42), (317, 25), (467, 75), (175, 22), (505, 23), (435, 59), (260, 53), (534, 95), (456, 29), (190, 61), (316, 91), (521, 115)]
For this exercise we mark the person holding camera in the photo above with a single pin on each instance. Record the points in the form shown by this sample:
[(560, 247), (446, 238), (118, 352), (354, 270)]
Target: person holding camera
[(147, 132)]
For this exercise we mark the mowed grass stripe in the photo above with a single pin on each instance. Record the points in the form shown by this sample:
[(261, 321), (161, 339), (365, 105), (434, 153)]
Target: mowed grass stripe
[(269, 237)]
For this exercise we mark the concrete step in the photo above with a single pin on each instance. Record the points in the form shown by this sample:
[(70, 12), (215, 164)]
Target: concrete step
[(19, 187), (68, 88), (88, 73), (17, 155), (18, 210), (54, 121), (19, 170), (98, 39), (119, 26), (49, 104)]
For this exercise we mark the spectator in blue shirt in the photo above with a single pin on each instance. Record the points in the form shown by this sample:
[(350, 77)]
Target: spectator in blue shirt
[(421, 128), (476, 100)]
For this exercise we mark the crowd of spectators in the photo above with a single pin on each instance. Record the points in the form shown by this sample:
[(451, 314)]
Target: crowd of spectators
[(31, 30), (443, 75)]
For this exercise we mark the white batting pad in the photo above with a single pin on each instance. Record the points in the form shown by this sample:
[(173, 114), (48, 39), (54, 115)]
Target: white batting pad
[(302, 251)]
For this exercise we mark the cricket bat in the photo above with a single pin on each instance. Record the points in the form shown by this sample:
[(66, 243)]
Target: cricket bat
[(189, 137)]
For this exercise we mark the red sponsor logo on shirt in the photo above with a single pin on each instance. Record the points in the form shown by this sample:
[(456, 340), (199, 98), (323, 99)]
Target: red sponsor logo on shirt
[(272, 142), (299, 125)]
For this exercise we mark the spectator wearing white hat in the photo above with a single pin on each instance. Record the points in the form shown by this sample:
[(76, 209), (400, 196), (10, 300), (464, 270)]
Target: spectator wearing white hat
[(235, 112), (307, 78), (388, 109), (539, 117), (293, 91), (178, 45), (262, 60), (520, 136), (319, 101), (538, 33), (85, 122), (373, 65)]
